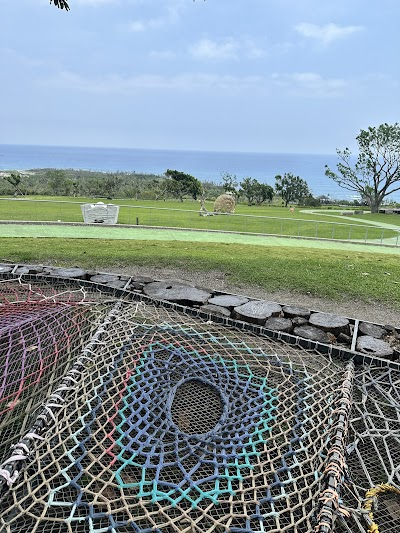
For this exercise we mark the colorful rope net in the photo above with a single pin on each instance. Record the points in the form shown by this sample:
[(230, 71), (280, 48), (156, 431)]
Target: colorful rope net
[(42, 329), (167, 423)]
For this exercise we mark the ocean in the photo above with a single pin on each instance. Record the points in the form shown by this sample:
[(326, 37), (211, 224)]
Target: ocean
[(203, 165)]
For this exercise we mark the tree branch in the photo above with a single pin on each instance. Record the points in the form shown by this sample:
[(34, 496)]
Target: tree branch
[(61, 4)]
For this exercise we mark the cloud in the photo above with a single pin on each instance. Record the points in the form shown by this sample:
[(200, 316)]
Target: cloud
[(226, 49), (116, 84), (303, 84), (162, 54), (327, 33), (208, 49), (96, 2), (15, 58), (310, 84), (171, 16)]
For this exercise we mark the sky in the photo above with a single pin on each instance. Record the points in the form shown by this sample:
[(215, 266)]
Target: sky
[(290, 76)]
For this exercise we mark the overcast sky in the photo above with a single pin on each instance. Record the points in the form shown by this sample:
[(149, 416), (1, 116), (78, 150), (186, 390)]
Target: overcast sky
[(299, 76)]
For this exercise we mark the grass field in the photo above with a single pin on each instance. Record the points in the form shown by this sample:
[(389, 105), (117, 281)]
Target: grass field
[(338, 275), (251, 219)]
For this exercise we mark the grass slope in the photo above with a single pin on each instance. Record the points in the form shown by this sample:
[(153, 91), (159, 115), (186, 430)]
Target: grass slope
[(338, 275), (186, 215)]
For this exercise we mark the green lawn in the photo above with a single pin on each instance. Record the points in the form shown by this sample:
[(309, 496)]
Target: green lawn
[(379, 217), (338, 275), (255, 219)]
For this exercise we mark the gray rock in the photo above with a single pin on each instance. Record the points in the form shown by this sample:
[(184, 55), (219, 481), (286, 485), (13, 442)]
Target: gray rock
[(372, 330), (291, 311), (277, 323), (29, 269), (299, 321), (314, 334), (332, 323), (76, 273), (104, 278), (257, 312), (228, 300), (176, 292), (21, 270), (396, 354), (216, 310), (116, 284), (136, 286), (389, 328), (143, 279), (371, 345), (202, 288), (91, 273), (5, 269), (344, 339), (183, 283)]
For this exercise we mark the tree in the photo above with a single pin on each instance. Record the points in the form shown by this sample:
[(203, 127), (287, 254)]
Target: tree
[(180, 184), (58, 182), (256, 192), (376, 173), (291, 188), (264, 193), (248, 188), (15, 181), (229, 182), (111, 184), (61, 4)]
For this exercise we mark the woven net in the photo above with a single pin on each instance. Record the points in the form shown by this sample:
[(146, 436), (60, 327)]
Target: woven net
[(161, 421), (42, 330), (372, 474)]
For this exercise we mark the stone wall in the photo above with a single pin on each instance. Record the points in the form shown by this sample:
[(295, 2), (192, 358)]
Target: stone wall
[(382, 341)]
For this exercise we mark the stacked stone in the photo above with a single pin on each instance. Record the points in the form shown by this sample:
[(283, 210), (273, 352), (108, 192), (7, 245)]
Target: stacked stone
[(364, 337)]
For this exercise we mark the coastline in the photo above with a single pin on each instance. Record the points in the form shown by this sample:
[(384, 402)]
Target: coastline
[(204, 165)]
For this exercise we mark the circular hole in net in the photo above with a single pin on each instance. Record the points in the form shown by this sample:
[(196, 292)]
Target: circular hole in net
[(197, 407)]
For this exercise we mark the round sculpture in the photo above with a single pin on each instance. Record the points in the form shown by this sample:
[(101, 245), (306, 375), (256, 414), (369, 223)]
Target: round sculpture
[(225, 203)]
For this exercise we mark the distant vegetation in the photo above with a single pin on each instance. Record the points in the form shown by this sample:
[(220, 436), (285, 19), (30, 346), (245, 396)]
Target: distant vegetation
[(173, 184), (91, 184)]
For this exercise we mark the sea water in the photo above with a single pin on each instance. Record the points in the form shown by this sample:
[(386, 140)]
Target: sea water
[(206, 166)]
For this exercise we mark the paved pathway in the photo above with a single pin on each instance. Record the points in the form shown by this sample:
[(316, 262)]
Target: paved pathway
[(353, 218), (172, 234), (390, 240)]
